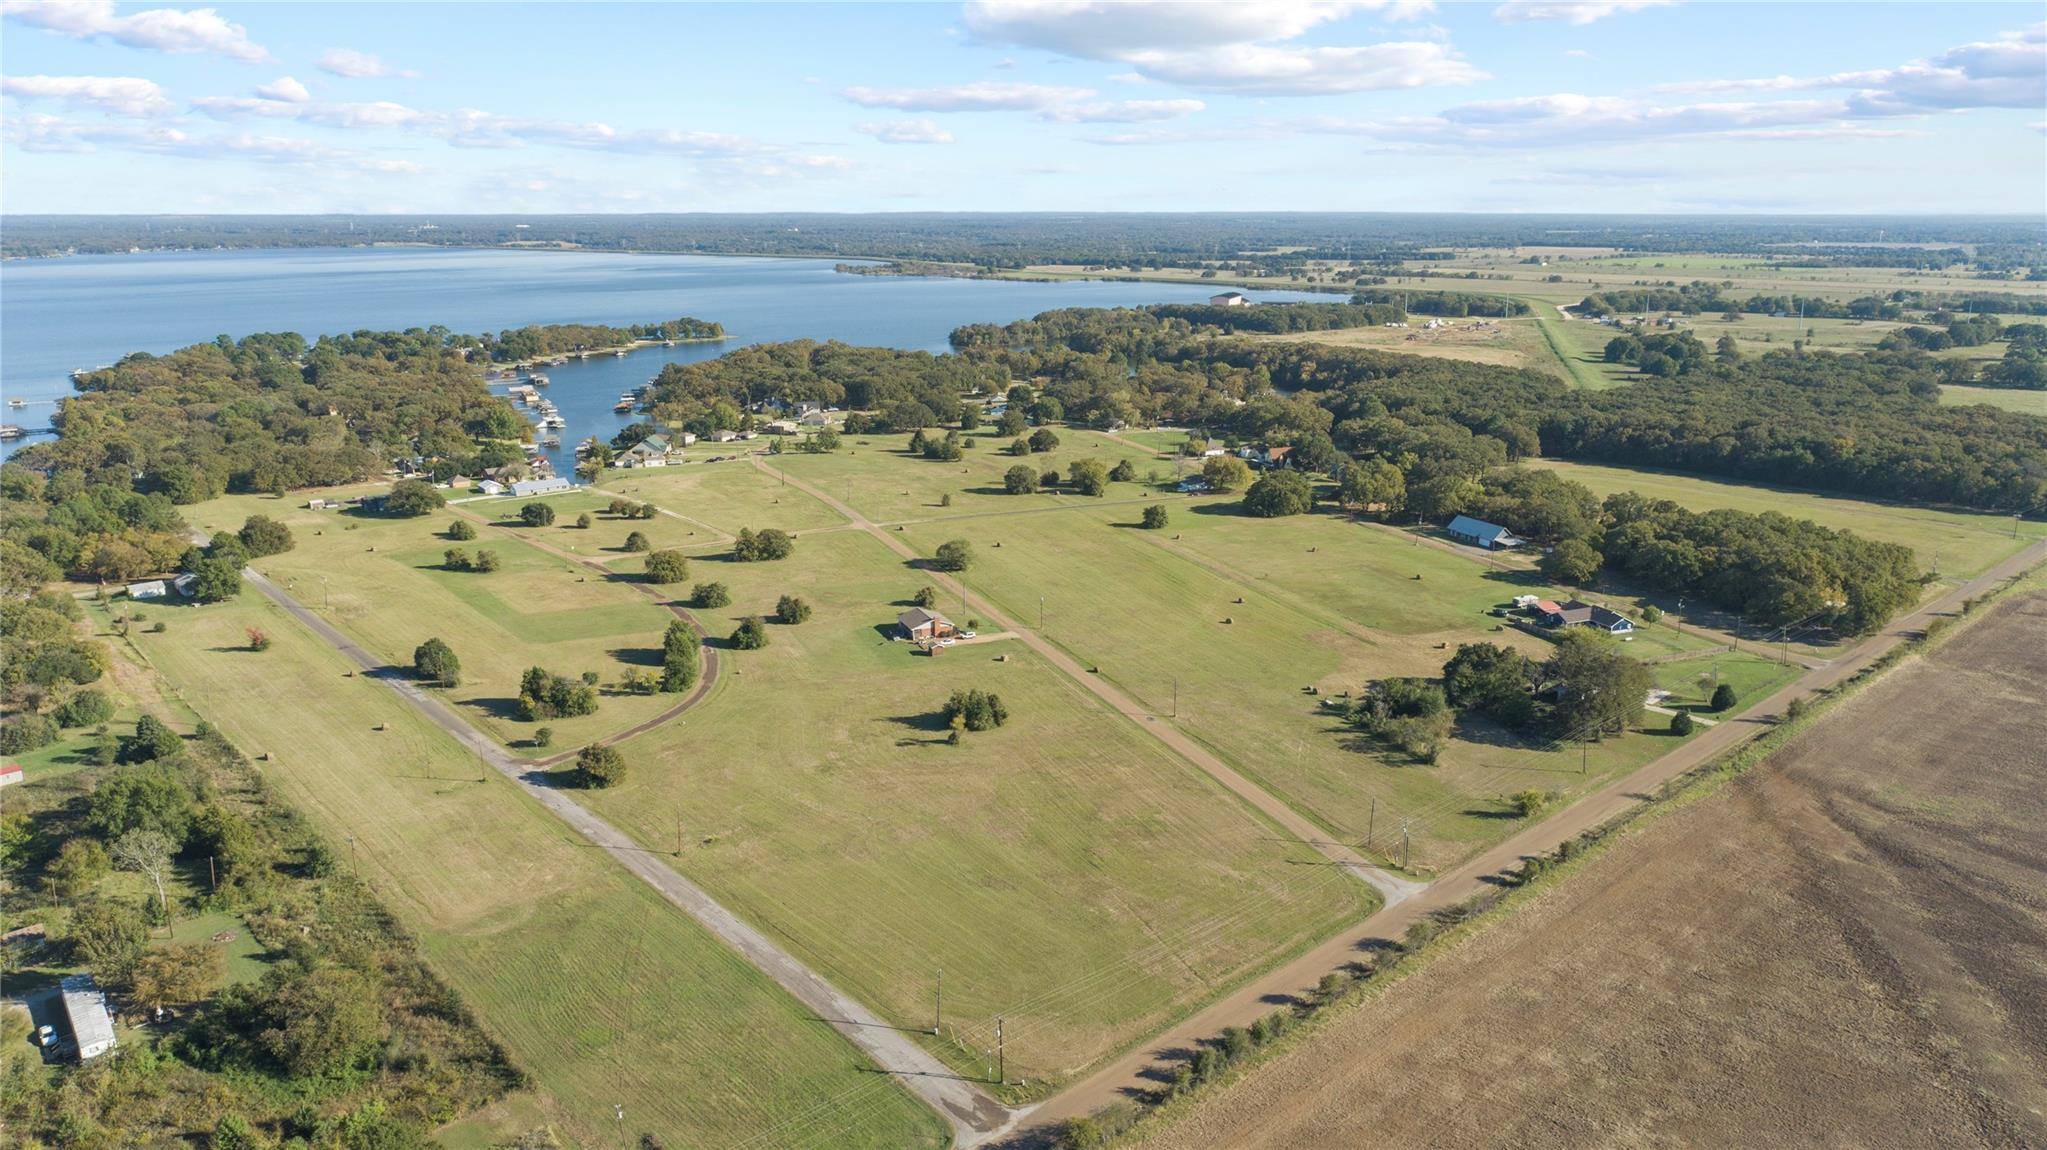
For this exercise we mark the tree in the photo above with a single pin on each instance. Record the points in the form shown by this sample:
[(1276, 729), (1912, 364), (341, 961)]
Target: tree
[(1044, 439), (413, 497), (1597, 688), (1011, 424), (681, 658), (666, 567), (543, 737), (87, 708), (1155, 516), (709, 595), (1088, 476), (946, 450), (262, 535), (537, 514), (259, 639), (546, 695), (108, 937), (27, 732), (151, 798), (457, 559), (1573, 561), (461, 529), (1410, 713), (636, 542), (1681, 723), (79, 866), (1020, 480), (1124, 472), (148, 853), (176, 975), (1374, 486), (751, 636), (1277, 493), (1529, 803), (1442, 496), (1225, 473), (790, 609), (1724, 698), (435, 662), (767, 544), (583, 521), (600, 766), (954, 555), (926, 596), (317, 1020), (151, 741), (487, 560), (979, 710), (216, 580)]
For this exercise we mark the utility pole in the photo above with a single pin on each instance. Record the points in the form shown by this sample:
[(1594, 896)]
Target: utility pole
[(678, 836), (1041, 613), (1372, 822), (1176, 697), (352, 864), (212, 878), (938, 1014), (1404, 841), (1001, 1059)]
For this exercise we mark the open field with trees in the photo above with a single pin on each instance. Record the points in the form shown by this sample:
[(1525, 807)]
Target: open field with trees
[(1834, 946), (2010, 399), (601, 991), (1062, 870), (1967, 542), (385, 581)]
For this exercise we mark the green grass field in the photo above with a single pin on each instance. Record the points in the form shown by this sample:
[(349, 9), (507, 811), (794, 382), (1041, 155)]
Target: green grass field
[(602, 991), (2010, 399), (1064, 871), (1691, 681), (1249, 677), (383, 582), (1961, 543)]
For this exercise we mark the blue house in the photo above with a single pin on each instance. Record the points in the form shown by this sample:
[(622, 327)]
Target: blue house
[(1479, 533)]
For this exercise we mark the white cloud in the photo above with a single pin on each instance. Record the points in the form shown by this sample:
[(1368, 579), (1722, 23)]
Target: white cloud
[(1568, 119), (376, 114), (1122, 111), (154, 29), (357, 65), (1577, 53), (116, 95), (1236, 48), (980, 96), (2007, 72), (906, 132), (1270, 70), (39, 133), (1571, 11), (284, 88)]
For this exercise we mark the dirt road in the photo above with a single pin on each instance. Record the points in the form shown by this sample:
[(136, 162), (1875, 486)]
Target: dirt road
[(972, 1113), (1842, 948)]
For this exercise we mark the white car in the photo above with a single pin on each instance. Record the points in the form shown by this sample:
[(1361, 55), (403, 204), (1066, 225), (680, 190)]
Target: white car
[(966, 634), (947, 642)]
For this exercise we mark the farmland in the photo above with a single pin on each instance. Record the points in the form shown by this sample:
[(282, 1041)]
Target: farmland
[(1960, 544), (1835, 948), (1063, 870), (599, 989)]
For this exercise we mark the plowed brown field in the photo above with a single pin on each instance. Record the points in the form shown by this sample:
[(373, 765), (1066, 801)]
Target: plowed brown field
[(1845, 948)]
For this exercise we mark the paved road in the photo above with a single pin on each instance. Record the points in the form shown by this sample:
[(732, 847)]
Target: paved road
[(973, 1115), (1135, 1073), (1391, 886)]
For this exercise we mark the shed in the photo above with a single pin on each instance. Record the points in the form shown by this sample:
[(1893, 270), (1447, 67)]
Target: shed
[(541, 486), (491, 487), (1479, 533), (153, 589), (10, 774), (92, 1024)]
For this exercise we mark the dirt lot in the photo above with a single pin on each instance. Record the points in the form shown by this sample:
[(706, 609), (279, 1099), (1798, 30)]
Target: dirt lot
[(1848, 947)]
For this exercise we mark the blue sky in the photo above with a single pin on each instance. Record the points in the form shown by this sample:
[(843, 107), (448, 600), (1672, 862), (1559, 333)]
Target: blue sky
[(1023, 105)]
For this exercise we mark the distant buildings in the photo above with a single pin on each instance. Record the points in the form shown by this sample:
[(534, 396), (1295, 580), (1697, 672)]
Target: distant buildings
[(1575, 614), (541, 486), (649, 452), (1229, 299), (1262, 456), (1479, 533)]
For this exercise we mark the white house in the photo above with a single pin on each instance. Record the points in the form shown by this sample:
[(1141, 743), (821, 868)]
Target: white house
[(724, 435), (1229, 299), (491, 487), (153, 589), (782, 427)]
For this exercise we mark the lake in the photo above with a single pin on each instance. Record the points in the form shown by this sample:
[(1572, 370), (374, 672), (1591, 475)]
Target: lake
[(60, 314)]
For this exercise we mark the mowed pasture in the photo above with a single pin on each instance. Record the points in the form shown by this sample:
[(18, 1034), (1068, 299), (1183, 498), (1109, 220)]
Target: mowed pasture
[(382, 580), (1961, 544), (1242, 630), (1839, 948), (719, 497), (602, 991), (2010, 399), (1063, 871)]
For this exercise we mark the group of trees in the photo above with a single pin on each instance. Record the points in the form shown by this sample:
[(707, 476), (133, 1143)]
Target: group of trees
[(1587, 688), (44, 681), (546, 695), (766, 545), (523, 344), (682, 657), (972, 709), (459, 559)]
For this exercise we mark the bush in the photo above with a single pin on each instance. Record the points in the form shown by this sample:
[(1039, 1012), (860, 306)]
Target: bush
[(1043, 440), (790, 609), (1048, 480), (85, 709), (636, 542), (979, 710), (259, 639), (751, 636), (152, 741), (487, 560), (1652, 614), (24, 733), (709, 595), (926, 597), (1724, 697), (435, 662), (1681, 723), (537, 514), (1020, 480), (598, 766), (1279, 493), (262, 535), (457, 559), (461, 529), (1123, 472), (1529, 803), (666, 567), (413, 497), (544, 737), (954, 555), (546, 695), (763, 546), (583, 521), (1155, 516), (1797, 709)]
